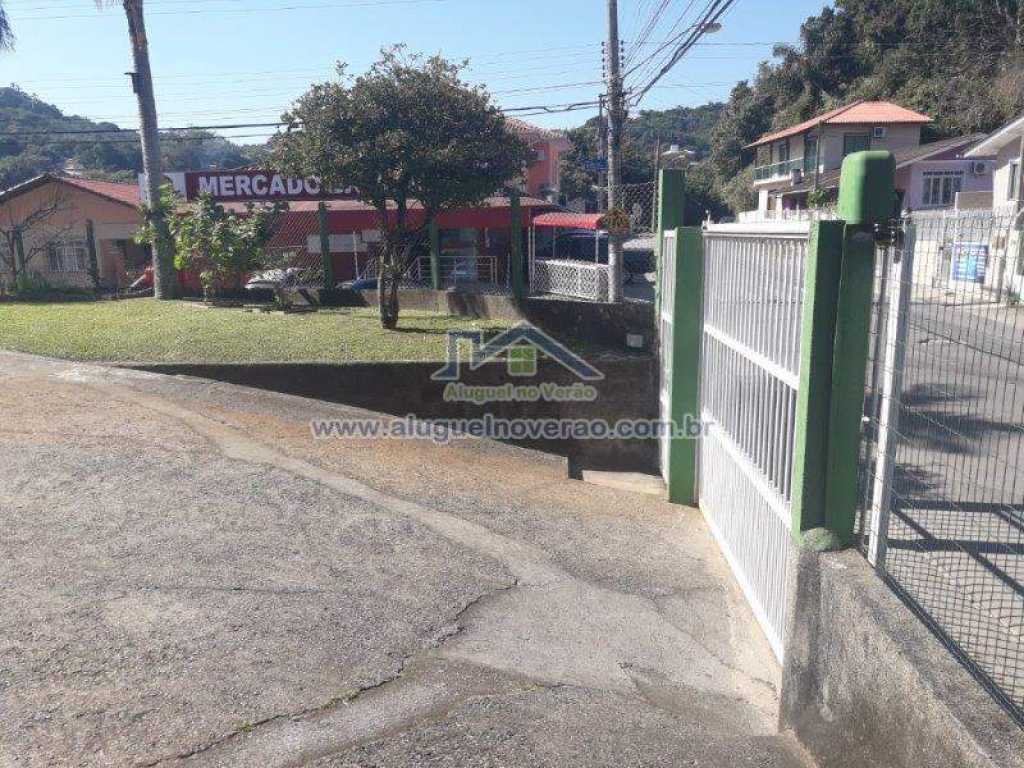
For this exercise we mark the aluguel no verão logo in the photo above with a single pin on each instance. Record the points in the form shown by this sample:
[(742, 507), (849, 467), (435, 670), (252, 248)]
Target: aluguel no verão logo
[(521, 348)]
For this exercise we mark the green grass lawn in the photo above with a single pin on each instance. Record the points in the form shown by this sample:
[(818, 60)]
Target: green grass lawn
[(146, 330)]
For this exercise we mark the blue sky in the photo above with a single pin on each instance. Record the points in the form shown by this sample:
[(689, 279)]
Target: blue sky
[(228, 61)]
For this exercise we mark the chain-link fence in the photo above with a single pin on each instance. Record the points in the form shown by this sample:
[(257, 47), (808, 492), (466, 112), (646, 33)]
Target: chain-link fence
[(942, 514), (640, 202)]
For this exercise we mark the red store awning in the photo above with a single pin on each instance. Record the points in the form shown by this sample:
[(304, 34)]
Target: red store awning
[(569, 220)]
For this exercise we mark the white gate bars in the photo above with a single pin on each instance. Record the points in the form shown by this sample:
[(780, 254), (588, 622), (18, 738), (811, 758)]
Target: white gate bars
[(753, 299), (666, 311)]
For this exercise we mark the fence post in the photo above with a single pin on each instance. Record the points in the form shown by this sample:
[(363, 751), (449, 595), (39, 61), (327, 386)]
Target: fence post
[(890, 390), (435, 255), (325, 247), (684, 376), (94, 264), (19, 253), (836, 326), (671, 205), (817, 338), (867, 198), (516, 246)]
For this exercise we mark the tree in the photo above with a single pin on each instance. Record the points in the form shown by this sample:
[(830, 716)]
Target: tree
[(220, 245), (164, 279), (407, 134)]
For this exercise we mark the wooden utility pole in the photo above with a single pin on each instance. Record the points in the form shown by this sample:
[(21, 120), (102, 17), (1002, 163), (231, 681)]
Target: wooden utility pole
[(164, 278), (616, 118)]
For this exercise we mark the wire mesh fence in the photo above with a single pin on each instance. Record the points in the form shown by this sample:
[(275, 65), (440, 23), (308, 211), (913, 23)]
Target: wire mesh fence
[(639, 201), (942, 481)]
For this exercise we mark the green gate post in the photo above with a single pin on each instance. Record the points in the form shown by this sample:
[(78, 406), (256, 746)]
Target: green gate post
[(325, 248), (90, 244), (435, 255), (867, 198), (671, 210), (817, 343), (684, 379), (836, 323), (516, 243)]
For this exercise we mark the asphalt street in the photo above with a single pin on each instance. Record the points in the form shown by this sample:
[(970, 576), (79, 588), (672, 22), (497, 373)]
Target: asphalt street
[(188, 578)]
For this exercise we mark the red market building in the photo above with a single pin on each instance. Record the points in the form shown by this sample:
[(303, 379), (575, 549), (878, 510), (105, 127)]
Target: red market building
[(474, 244)]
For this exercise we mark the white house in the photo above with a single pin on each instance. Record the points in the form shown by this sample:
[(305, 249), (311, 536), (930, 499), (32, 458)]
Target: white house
[(797, 159), (1006, 146)]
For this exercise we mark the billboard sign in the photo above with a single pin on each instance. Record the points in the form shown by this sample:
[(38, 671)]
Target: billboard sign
[(259, 186)]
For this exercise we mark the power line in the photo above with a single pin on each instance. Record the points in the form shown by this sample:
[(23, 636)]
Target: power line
[(716, 9), (196, 11)]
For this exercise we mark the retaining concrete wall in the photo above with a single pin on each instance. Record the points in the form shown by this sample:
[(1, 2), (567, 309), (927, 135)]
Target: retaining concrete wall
[(867, 684), (605, 325), (629, 391)]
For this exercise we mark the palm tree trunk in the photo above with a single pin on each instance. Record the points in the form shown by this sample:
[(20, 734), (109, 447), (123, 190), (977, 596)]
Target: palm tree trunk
[(164, 277), (6, 34)]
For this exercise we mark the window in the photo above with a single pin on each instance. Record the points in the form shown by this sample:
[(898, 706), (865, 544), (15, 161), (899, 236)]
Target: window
[(810, 153), (69, 257), (1013, 189), (782, 151), (856, 142), (940, 187)]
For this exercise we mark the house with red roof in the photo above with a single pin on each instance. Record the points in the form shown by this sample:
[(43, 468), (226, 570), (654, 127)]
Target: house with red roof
[(794, 161), (50, 225)]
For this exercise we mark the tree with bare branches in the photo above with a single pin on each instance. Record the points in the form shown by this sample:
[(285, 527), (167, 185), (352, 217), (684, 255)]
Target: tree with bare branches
[(30, 227)]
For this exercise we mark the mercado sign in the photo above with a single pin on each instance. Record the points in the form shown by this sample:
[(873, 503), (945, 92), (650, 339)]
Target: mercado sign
[(259, 186)]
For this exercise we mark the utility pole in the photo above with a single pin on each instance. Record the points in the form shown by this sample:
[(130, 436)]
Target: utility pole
[(616, 118), (602, 154), (164, 278)]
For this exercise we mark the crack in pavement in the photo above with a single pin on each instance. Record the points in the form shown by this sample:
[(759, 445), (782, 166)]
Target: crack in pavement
[(614, 615), (349, 697)]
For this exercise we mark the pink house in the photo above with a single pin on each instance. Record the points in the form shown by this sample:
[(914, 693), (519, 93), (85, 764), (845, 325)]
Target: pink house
[(543, 177)]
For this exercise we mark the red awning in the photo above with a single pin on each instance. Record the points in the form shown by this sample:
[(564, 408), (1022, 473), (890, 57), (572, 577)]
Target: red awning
[(568, 220)]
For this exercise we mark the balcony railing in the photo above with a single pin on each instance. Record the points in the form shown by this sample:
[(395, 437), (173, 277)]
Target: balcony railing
[(777, 170)]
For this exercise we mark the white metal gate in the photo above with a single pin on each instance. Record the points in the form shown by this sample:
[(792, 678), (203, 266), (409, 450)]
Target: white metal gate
[(753, 297), (666, 294)]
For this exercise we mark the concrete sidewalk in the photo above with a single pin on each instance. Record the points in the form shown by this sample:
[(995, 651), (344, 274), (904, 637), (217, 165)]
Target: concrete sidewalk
[(189, 578)]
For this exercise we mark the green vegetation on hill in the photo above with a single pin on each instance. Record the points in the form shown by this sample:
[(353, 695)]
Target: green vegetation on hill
[(689, 127), (959, 61), (100, 155)]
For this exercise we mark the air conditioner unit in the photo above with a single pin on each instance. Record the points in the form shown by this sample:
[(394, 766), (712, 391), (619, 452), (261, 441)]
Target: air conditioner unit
[(979, 169), (879, 132)]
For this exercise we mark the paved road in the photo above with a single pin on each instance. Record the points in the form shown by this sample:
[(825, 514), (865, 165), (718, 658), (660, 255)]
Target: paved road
[(189, 579)]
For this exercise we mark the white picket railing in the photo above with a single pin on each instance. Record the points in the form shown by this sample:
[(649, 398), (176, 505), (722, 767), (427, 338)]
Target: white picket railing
[(564, 277), (753, 289)]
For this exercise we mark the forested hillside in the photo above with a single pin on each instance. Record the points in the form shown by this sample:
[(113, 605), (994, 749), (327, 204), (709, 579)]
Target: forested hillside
[(689, 127), (959, 61), (112, 156)]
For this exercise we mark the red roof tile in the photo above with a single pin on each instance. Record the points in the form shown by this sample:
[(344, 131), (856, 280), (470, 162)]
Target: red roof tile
[(119, 193), (859, 112)]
